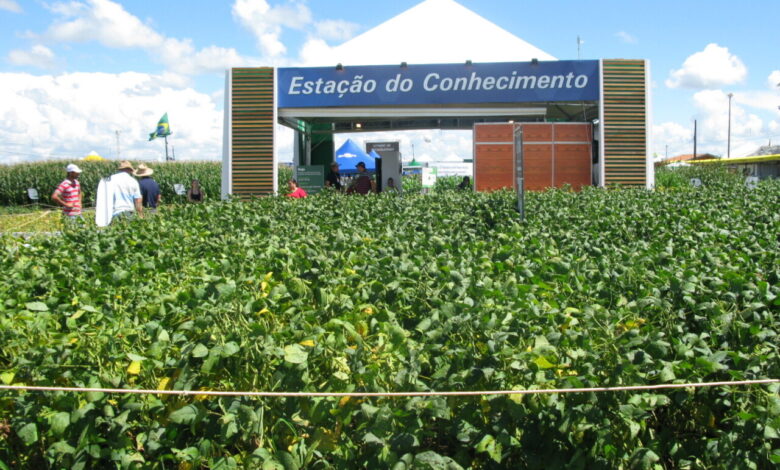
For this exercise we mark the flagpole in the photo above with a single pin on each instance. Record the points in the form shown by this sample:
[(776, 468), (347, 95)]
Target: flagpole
[(166, 148)]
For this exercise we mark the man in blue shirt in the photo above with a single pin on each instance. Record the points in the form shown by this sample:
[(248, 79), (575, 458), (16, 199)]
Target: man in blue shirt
[(150, 190)]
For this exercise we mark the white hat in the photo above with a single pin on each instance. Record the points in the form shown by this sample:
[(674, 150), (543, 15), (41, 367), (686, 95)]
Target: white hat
[(72, 167)]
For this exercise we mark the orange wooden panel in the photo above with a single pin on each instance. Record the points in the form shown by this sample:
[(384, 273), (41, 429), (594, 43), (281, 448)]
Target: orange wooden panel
[(537, 166), (573, 133), (537, 132), (494, 166), (572, 165), (493, 133)]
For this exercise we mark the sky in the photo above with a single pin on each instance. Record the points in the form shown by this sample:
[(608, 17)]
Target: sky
[(78, 76)]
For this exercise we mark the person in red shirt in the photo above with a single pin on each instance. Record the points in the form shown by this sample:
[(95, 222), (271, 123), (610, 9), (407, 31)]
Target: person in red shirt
[(295, 191), (68, 193)]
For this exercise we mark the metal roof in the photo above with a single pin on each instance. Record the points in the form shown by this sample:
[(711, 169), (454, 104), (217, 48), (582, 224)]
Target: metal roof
[(741, 160)]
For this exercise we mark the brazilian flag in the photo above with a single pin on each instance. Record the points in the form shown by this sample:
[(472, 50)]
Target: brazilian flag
[(163, 129)]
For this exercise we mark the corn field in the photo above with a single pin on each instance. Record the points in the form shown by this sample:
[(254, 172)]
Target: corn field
[(45, 176)]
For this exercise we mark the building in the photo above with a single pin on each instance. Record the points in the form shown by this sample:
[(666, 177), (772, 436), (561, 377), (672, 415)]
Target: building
[(481, 76), (684, 159)]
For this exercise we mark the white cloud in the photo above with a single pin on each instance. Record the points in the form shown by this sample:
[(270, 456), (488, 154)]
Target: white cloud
[(104, 21), (673, 135), (10, 5), (713, 106), (38, 56), (314, 51), (748, 130), (626, 37), (108, 23), (335, 30), (713, 67), (69, 115), (266, 22), (773, 81)]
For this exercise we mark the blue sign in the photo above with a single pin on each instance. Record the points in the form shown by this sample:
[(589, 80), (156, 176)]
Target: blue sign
[(386, 85)]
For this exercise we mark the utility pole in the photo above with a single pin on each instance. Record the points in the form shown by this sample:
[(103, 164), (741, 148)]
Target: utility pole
[(666, 152), (694, 139), (579, 43), (118, 154)]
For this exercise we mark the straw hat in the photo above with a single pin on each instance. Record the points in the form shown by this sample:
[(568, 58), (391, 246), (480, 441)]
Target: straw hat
[(143, 171), (126, 165)]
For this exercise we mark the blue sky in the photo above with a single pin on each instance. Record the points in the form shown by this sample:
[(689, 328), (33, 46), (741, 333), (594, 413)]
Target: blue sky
[(74, 72)]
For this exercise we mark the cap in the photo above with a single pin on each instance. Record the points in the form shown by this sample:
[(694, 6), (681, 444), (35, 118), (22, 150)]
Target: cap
[(360, 164), (72, 168)]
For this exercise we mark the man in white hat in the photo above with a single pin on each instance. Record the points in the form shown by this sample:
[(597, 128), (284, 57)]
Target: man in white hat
[(150, 190), (68, 193), (127, 192)]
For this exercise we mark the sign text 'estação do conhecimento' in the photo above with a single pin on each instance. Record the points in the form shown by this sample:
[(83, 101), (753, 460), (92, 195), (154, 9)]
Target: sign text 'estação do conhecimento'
[(438, 83)]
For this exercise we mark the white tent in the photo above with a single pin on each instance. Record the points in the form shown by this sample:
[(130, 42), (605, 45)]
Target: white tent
[(434, 31)]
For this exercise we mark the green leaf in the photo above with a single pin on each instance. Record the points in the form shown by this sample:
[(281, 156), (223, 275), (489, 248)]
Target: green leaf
[(543, 363), (37, 306), (200, 351), (184, 415), (7, 377), (59, 422), (430, 460), (489, 445), (272, 465), (28, 433), (295, 354), (229, 349), (61, 447)]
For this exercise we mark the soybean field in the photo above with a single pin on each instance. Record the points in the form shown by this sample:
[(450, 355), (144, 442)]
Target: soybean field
[(441, 292)]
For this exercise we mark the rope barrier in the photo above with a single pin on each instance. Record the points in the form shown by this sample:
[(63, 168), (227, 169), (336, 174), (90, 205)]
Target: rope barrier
[(631, 388)]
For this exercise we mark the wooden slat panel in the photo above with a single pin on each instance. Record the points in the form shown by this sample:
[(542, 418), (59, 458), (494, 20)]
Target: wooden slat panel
[(625, 117), (252, 112)]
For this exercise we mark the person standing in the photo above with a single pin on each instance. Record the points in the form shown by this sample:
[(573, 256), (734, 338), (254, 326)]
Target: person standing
[(195, 193), (150, 190), (333, 179), (363, 184), (127, 199), (465, 184), (68, 193), (295, 190)]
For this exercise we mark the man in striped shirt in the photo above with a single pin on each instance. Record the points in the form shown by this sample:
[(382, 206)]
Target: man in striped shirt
[(68, 193)]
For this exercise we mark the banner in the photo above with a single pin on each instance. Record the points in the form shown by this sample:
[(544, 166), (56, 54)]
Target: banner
[(311, 178), (386, 85)]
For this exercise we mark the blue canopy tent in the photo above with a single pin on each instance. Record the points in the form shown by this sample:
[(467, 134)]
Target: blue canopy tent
[(348, 156)]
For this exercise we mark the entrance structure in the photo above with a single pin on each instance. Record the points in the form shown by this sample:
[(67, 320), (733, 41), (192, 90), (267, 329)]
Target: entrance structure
[(609, 97)]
